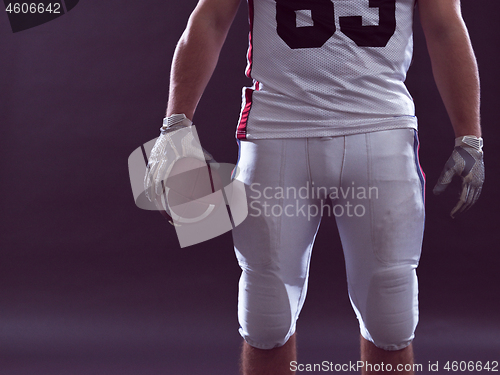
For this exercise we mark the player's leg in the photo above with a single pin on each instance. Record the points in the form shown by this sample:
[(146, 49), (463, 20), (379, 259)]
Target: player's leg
[(370, 354), (382, 238), (273, 247), (268, 362)]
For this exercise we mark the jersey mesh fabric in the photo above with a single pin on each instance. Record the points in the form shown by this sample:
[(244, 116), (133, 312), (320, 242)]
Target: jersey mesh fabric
[(337, 88)]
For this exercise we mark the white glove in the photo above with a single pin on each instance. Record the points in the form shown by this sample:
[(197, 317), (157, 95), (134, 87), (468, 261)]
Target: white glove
[(177, 140), (465, 161)]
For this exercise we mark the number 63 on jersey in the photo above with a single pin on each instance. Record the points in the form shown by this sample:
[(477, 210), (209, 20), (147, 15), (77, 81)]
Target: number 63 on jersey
[(322, 13)]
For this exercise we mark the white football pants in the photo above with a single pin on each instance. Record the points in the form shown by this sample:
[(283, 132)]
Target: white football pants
[(373, 184)]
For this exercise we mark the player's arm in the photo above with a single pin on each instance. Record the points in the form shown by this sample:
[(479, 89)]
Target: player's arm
[(197, 53), (455, 72), (194, 61), (453, 63)]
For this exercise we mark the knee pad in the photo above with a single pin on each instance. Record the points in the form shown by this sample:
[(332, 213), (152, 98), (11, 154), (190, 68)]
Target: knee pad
[(264, 313), (390, 317)]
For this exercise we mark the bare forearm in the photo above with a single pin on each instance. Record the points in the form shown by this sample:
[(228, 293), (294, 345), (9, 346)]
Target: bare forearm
[(456, 75), (195, 58), (194, 61)]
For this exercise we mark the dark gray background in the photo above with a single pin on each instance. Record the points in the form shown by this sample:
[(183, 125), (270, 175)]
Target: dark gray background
[(90, 284)]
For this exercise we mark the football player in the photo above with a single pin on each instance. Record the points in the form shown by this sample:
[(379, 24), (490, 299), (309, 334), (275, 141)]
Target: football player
[(329, 112)]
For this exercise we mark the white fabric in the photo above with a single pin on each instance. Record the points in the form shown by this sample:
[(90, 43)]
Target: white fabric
[(377, 189), (338, 88)]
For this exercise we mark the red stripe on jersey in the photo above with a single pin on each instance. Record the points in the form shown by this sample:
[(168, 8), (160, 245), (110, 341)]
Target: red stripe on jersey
[(250, 47), (241, 131)]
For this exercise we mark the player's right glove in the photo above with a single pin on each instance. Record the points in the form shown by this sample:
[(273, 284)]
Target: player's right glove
[(465, 161), (177, 140)]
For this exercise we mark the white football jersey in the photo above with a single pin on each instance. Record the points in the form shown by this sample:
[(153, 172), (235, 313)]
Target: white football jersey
[(327, 68)]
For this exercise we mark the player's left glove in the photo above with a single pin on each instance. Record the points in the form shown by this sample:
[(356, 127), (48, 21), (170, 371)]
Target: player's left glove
[(465, 161)]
